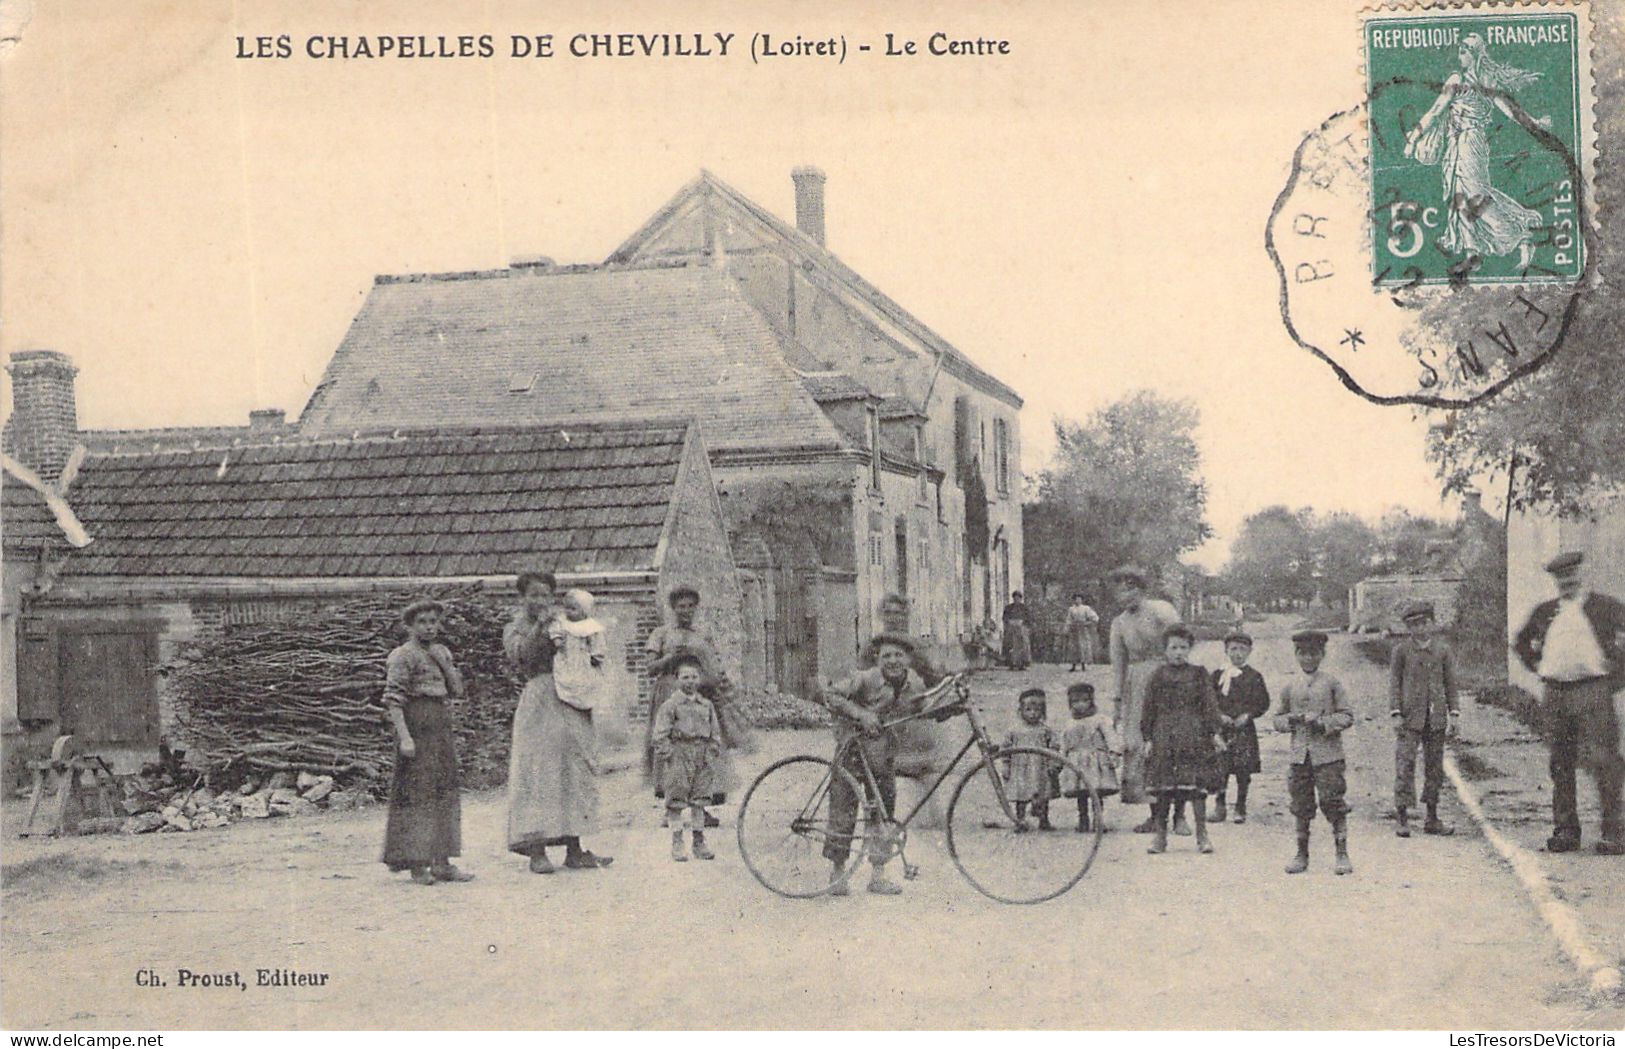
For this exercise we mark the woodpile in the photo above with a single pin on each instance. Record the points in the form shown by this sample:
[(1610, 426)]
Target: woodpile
[(304, 695)]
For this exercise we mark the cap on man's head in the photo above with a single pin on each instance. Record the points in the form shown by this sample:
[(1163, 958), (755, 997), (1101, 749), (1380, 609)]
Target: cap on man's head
[(1237, 637), (1566, 562), (882, 640), (1417, 610), (1309, 639)]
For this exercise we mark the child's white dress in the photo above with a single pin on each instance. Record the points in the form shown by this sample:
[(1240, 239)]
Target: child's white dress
[(1093, 746), (575, 678)]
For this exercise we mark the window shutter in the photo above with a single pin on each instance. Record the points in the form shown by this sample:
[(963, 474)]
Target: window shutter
[(36, 671)]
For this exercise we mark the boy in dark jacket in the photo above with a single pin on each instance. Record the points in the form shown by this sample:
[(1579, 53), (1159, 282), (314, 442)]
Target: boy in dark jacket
[(1422, 704), (1243, 699)]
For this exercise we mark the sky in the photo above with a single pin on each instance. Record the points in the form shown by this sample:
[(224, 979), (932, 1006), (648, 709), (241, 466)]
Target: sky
[(1084, 217)]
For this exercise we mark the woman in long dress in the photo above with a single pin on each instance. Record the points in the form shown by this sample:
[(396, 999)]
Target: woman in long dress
[(1136, 653), (1454, 134), (552, 796)]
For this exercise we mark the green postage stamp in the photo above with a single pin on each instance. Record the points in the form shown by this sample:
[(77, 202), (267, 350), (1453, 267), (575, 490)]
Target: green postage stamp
[(1480, 121)]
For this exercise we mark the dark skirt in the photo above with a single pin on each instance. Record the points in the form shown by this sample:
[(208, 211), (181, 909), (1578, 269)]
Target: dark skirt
[(1184, 768), (425, 809), (1241, 758)]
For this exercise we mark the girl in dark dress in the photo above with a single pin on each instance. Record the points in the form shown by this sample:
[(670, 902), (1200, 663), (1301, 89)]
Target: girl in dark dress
[(1180, 722), (1243, 698), (425, 819)]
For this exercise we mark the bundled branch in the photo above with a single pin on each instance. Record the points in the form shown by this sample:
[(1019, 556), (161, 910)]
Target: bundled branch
[(306, 693)]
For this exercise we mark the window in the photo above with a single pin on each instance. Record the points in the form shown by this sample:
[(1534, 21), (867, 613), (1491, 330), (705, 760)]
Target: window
[(1001, 455), (877, 550), (902, 555), (942, 511)]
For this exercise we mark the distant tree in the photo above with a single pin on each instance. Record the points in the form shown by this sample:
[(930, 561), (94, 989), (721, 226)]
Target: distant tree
[(1345, 546), (1404, 540), (1124, 486), (1273, 557)]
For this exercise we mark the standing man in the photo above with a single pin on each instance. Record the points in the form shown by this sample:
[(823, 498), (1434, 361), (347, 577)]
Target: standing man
[(1018, 633), (1081, 623), (1136, 653), (1574, 642), (1422, 704)]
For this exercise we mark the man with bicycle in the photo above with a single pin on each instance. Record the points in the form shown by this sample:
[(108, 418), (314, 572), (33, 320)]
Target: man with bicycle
[(861, 705)]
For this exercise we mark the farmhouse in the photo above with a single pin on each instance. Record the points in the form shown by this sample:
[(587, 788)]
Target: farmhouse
[(856, 452), (182, 542)]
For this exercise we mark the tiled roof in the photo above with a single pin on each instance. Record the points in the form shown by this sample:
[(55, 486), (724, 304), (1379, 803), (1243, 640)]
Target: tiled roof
[(418, 505), (831, 387), (900, 408), (816, 254), (172, 437), (515, 347), (25, 521)]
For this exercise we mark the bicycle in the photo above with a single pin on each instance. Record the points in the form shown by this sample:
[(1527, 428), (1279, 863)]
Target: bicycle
[(784, 826)]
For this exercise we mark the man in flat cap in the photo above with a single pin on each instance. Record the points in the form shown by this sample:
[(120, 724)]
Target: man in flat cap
[(1576, 643), (1422, 703)]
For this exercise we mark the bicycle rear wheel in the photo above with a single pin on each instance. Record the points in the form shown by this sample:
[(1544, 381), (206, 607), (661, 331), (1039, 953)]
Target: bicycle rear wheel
[(1006, 862), (785, 835)]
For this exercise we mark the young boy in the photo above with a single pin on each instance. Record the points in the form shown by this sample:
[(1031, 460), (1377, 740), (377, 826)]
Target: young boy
[(1422, 704), (1315, 709)]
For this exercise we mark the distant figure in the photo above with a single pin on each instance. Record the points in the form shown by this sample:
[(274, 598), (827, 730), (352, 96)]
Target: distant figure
[(1315, 710), (1243, 699), (1576, 643), (425, 808), (1081, 624), (1422, 703), (1136, 653), (1018, 633)]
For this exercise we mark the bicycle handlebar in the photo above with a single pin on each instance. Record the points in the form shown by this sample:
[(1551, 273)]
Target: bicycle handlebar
[(944, 711)]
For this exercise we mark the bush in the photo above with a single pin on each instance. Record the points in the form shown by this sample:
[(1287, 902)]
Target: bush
[(1324, 619), (1517, 702), (778, 710)]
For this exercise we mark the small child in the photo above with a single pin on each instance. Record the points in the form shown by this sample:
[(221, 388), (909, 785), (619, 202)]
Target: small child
[(1243, 698), (1027, 776), (424, 829), (1315, 709), (1180, 722), (1094, 747), (688, 744), (578, 665)]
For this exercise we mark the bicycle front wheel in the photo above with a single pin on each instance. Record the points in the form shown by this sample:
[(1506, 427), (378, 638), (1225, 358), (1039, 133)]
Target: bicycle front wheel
[(787, 834), (1011, 859)]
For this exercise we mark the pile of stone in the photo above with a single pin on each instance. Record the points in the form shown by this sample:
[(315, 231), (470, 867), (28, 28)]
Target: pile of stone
[(157, 803)]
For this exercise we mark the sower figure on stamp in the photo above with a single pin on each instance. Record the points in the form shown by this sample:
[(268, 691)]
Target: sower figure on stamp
[(425, 810), (1315, 709), (1136, 653), (1422, 703), (860, 704), (1576, 643)]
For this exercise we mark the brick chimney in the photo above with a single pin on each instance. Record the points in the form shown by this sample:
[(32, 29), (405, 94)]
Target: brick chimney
[(44, 425), (267, 419), (809, 202)]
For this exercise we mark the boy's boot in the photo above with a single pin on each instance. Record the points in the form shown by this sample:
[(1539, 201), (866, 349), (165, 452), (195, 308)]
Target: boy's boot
[(1043, 815), (1083, 815), (678, 852), (1219, 813), (1402, 822), (1340, 835), (1180, 826), (1435, 825), (839, 884), (1199, 810), (881, 885), (1241, 798), (1159, 844), (1148, 827), (1300, 862), (701, 851)]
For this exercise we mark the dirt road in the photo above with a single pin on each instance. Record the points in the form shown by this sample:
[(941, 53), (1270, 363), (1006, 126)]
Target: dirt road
[(1428, 933)]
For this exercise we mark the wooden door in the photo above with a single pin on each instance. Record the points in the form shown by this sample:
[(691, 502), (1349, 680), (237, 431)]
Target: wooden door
[(796, 630), (108, 688)]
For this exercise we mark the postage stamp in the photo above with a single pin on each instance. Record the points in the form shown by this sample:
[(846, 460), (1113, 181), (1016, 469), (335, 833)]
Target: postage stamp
[(1478, 132)]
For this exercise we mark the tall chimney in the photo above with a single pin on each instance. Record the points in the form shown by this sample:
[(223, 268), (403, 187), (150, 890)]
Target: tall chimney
[(44, 425), (809, 202)]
